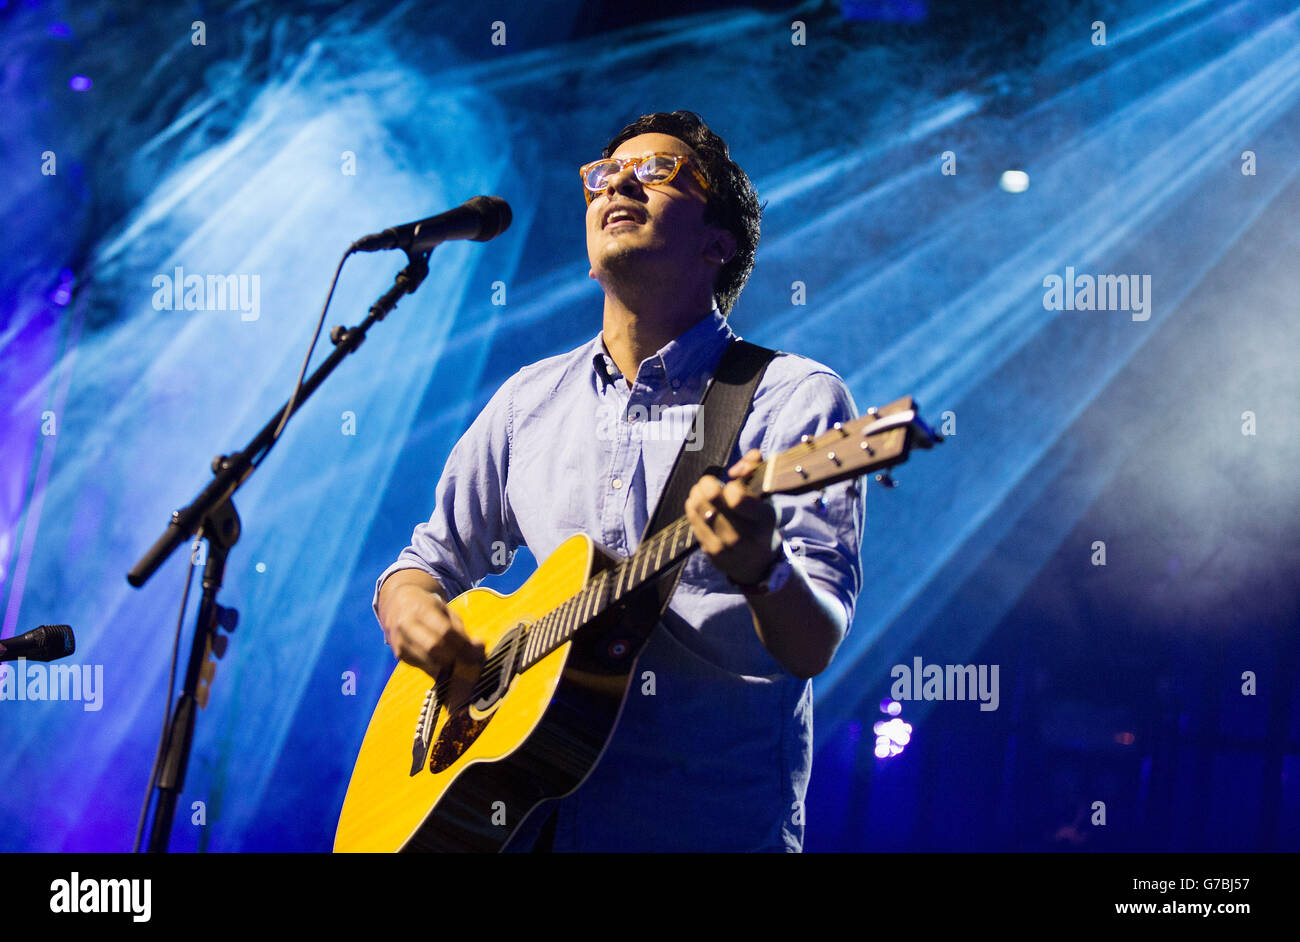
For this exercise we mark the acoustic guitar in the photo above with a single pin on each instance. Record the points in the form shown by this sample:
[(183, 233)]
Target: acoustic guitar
[(560, 655)]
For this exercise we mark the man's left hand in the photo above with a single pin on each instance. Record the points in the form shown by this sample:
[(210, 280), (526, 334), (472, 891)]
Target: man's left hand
[(737, 530)]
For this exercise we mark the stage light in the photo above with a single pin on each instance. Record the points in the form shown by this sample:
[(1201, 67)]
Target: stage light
[(62, 292), (1014, 181), (892, 736)]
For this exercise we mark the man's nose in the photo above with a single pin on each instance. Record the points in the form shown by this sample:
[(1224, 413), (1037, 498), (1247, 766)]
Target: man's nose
[(624, 182)]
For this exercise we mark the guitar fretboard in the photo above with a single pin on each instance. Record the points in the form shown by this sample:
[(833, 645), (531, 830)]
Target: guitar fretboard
[(652, 559)]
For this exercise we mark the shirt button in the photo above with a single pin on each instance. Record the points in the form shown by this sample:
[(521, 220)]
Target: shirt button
[(617, 483)]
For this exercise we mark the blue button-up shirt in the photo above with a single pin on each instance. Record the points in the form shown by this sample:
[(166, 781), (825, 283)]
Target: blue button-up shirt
[(714, 746)]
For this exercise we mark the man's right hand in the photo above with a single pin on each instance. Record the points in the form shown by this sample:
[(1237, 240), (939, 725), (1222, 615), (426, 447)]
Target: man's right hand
[(425, 633)]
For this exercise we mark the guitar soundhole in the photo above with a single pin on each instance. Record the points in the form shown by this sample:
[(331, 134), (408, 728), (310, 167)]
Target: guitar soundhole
[(461, 728)]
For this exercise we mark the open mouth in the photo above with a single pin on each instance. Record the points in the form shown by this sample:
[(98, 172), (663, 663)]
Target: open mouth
[(621, 218)]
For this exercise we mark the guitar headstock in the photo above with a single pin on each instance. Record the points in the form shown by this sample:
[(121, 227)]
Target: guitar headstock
[(875, 441)]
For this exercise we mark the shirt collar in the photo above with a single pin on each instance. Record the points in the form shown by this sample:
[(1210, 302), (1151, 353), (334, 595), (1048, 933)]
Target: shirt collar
[(698, 348)]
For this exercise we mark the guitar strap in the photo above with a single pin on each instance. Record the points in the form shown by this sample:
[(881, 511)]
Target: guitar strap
[(722, 411)]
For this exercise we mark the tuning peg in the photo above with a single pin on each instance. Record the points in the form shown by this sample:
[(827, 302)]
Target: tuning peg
[(821, 502), (885, 480)]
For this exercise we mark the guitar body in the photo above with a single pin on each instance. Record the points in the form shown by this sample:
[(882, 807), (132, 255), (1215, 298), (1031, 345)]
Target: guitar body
[(486, 769)]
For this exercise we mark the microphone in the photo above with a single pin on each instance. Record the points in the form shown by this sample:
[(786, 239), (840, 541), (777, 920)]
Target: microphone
[(46, 643), (479, 219)]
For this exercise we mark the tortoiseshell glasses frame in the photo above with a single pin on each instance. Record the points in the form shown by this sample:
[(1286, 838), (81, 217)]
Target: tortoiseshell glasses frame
[(651, 170)]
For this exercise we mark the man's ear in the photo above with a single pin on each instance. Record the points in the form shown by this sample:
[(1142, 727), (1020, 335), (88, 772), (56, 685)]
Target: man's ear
[(722, 248)]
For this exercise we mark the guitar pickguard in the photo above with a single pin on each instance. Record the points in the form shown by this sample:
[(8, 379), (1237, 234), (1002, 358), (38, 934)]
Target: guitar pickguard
[(454, 739)]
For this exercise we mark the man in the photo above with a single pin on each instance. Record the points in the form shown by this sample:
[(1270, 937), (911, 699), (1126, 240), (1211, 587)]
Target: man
[(714, 746)]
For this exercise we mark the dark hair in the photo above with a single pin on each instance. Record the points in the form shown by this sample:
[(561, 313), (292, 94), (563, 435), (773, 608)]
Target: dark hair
[(733, 204)]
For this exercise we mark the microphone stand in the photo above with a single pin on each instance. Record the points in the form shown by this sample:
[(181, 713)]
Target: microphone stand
[(212, 516)]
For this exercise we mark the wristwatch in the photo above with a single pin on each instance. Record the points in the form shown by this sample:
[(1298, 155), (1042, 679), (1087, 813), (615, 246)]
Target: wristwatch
[(777, 575)]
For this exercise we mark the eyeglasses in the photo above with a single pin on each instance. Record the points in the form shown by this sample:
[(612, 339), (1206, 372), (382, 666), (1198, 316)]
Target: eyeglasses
[(652, 170)]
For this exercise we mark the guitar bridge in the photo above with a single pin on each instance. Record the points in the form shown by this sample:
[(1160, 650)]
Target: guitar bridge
[(424, 730)]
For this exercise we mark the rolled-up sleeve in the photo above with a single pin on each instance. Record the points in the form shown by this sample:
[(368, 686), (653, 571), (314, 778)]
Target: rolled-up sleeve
[(471, 531), (825, 539)]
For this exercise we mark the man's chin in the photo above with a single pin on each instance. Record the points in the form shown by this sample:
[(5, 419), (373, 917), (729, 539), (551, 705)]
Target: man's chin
[(621, 258)]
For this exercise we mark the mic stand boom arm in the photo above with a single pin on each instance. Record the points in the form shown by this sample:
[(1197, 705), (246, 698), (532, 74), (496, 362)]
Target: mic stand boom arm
[(230, 471), (213, 517)]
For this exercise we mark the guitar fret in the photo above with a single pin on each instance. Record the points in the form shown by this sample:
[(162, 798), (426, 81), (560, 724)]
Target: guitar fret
[(606, 590), (579, 602), (570, 620), (531, 646), (544, 642), (579, 608), (539, 646), (597, 604)]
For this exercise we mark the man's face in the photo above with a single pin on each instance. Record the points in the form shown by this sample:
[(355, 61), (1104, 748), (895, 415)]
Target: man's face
[(666, 224)]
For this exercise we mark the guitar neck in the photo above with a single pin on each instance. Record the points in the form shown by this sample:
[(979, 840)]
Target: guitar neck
[(652, 559), (878, 440)]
